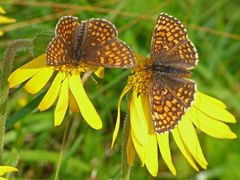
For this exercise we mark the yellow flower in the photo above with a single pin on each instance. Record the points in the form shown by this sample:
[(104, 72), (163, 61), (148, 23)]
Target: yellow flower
[(6, 169), (4, 20), (207, 114), (67, 86)]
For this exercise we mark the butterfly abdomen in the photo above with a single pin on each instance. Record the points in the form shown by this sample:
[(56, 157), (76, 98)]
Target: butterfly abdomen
[(80, 39), (171, 71)]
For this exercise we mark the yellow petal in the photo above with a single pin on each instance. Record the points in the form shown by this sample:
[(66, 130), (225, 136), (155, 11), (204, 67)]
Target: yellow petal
[(190, 140), (115, 132), (6, 20), (51, 94), (211, 126), (140, 149), (2, 11), (62, 103), (182, 148), (39, 80), (213, 108), (147, 114), (163, 143), (139, 123), (73, 103), (26, 71), (209, 98), (130, 151), (99, 72), (151, 156), (1, 33), (86, 107), (7, 169)]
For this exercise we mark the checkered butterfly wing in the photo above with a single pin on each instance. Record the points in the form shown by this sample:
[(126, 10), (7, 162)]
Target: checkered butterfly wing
[(67, 28), (170, 43), (60, 50), (169, 100), (103, 48), (170, 94)]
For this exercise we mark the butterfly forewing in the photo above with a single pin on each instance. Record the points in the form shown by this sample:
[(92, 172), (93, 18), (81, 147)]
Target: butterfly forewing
[(170, 43), (99, 31), (67, 28), (57, 52)]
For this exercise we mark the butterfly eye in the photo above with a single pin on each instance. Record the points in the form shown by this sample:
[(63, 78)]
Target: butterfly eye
[(57, 52)]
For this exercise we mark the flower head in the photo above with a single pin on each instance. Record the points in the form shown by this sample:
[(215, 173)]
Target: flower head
[(66, 88), (4, 20), (206, 113)]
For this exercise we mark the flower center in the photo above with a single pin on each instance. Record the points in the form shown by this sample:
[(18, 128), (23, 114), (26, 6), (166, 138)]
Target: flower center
[(141, 77), (70, 69)]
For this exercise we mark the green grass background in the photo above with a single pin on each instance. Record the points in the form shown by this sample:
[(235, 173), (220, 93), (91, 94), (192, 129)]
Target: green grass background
[(213, 26)]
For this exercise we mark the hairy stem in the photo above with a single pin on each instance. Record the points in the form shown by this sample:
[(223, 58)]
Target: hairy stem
[(5, 72)]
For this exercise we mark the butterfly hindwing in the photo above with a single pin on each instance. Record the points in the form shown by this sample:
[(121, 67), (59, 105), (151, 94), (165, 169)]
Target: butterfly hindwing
[(113, 53), (169, 100), (58, 52), (184, 89), (103, 48)]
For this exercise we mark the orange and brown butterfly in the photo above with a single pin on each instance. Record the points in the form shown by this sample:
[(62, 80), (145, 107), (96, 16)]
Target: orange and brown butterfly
[(93, 41), (173, 55)]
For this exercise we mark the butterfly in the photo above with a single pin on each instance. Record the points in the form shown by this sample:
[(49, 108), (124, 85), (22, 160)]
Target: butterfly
[(93, 41), (173, 55)]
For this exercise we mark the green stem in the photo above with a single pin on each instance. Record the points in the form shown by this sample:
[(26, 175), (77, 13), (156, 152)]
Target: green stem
[(125, 169), (59, 163), (6, 70)]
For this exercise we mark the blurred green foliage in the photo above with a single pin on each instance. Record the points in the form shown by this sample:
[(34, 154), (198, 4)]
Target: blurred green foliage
[(213, 26)]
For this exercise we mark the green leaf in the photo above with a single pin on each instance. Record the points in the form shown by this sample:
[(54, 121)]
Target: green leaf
[(41, 41), (11, 120)]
